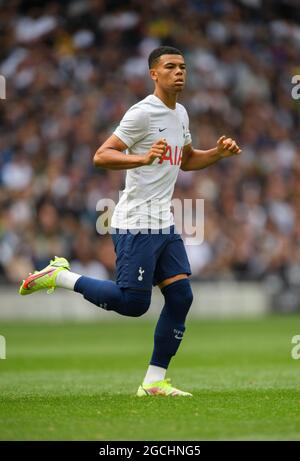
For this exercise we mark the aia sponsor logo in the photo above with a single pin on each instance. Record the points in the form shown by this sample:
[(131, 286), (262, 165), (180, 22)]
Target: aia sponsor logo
[(173, 156)]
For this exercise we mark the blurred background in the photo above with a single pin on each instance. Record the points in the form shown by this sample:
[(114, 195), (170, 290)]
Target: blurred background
[(73, 68)]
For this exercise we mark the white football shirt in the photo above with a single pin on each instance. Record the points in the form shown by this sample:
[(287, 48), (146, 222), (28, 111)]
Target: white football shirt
[(145, 203)]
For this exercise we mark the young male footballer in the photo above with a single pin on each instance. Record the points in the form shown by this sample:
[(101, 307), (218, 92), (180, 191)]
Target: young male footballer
[(155, 134)]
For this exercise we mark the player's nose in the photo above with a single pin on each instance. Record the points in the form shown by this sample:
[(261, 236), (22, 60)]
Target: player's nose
[(179, 73)]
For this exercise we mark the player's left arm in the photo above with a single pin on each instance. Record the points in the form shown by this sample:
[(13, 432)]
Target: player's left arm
[(195, 159)]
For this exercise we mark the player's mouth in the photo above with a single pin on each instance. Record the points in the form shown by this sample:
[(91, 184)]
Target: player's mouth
[(180, 81)]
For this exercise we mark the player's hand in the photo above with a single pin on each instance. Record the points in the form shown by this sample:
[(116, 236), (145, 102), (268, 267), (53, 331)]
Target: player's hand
[(226, 147), (156, 151)]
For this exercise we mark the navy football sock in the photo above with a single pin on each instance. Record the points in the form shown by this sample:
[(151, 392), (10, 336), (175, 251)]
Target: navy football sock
[(109, 296), (170, 326)]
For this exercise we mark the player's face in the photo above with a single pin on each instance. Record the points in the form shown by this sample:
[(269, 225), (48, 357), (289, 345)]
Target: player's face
[(170, 73)]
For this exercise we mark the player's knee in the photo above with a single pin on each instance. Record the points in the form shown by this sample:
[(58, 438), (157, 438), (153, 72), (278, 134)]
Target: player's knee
[(189, 297), (185, 295), (137, 302), (138, 310), (179, 294)]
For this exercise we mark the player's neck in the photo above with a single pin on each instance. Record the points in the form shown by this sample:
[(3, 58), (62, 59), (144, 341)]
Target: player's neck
[(168, 99)]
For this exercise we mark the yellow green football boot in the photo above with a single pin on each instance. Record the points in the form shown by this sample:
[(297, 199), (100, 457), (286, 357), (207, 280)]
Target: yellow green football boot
[(162, 388), (44, 279)]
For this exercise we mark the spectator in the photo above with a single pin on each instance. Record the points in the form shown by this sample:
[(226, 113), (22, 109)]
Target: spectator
[(74, 67)]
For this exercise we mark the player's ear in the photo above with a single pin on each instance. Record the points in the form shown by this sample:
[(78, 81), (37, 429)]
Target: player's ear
[(153, 74)]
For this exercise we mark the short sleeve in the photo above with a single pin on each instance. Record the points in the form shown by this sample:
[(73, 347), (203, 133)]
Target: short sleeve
[(188, 137), (133, 127)]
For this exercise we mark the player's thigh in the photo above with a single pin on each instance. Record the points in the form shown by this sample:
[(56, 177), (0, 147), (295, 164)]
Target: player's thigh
[(135, 260), (173, 261)]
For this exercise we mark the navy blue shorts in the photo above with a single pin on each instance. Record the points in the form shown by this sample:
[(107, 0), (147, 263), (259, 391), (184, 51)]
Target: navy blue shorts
[(146, 259)]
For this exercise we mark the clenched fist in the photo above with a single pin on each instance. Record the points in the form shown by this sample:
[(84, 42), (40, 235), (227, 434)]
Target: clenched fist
[(156, 151), (227, 147)]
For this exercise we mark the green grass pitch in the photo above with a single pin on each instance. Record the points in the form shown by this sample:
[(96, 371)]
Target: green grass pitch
[(77, 382)]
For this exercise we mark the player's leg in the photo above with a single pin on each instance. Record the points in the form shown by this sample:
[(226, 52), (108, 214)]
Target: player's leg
[(170, 327), (124, 297), (168, 336), (131, 293)]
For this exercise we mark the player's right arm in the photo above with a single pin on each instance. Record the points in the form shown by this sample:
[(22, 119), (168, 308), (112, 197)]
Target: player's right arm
[(133, 127), (111, 155)]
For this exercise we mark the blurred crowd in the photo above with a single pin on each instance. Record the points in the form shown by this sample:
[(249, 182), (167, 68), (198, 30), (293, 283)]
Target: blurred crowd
[(73, 68)]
